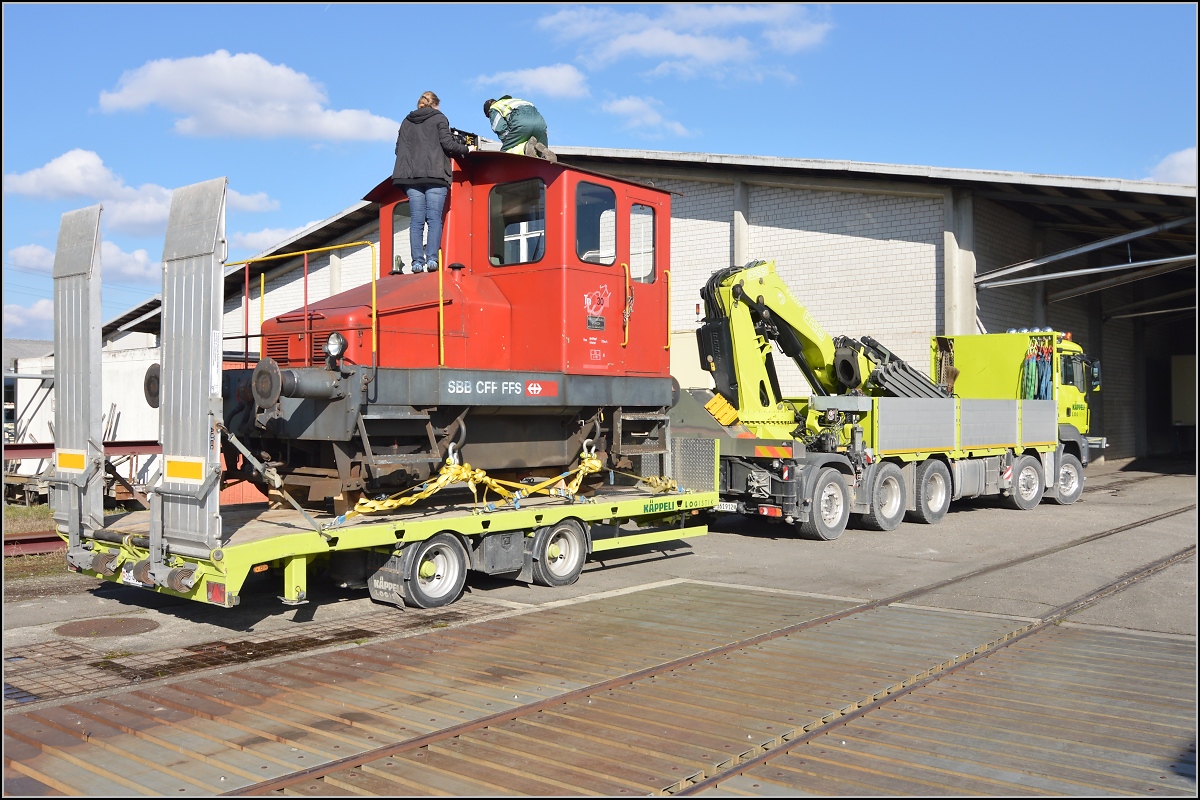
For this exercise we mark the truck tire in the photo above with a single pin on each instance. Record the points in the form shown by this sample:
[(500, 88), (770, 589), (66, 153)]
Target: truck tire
[(1070, 480), (558, 554), (887, 499), (435, 571), (1028, 483), (933, 492), (830, 507)]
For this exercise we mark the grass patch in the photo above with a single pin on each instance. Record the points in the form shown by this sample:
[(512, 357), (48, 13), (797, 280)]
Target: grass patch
[(27, 519), (111, 654), (36, 565)]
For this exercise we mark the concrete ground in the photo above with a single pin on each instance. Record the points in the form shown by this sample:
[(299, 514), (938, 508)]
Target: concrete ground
[(860, 564)]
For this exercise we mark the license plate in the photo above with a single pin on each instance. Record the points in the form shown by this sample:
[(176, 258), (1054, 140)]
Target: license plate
[(730, 507)]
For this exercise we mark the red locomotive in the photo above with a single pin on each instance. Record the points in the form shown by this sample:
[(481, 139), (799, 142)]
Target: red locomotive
[(547, 326)]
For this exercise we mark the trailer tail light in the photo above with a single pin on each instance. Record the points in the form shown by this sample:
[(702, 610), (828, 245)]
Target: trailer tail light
[(216, 593), (770, 511)]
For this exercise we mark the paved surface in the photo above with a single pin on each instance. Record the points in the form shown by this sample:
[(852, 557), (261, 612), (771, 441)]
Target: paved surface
[(861, 564)]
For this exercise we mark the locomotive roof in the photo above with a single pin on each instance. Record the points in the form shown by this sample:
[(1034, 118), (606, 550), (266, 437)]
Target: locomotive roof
[(384, 187)]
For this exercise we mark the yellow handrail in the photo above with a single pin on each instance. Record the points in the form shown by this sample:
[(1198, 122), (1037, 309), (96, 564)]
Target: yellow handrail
[(441, 312), (262, 295), (667, 279), (374, 265)]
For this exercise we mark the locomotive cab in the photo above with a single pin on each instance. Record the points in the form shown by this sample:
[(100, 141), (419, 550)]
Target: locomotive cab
[(547, 325)]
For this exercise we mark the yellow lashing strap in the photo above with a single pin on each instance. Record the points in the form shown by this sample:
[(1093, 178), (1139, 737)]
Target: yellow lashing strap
[(453, 472)]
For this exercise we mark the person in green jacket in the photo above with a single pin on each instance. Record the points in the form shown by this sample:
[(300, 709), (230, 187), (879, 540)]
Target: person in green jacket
[(520, 127)]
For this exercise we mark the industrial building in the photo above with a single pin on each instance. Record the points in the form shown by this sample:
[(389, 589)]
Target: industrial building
[(899, 253)]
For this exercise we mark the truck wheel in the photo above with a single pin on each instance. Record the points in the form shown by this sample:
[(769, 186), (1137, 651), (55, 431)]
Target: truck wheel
[(1028, 483), (933, 493), (887, 499), (558, 554), (1070, 480), (830, 507), (435, 571)]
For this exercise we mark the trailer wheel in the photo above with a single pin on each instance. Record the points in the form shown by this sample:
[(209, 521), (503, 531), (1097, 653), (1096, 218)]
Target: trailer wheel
[(887, 499), (1028, 483), (435, 572), (558, 554), (830, 507), (1070, 480), (933, 493)]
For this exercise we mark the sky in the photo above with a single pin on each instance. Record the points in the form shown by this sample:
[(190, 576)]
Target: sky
[(298, 104)]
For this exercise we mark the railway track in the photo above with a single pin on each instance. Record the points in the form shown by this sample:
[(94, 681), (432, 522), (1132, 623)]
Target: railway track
[(676, 688), (1064, 699), (32, 543)]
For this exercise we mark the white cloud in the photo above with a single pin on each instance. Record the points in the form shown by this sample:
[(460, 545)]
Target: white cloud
[(142, 210), (1179, 167), (558, 80), (259, 201), (115, 263), (242, 95), (29, 322), (32, 256), (642, 114), (135, 267), (257, 241), (690, 40)]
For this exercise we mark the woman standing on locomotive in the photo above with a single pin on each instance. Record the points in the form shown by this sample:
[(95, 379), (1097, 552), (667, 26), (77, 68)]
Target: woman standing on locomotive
[(423, 148)]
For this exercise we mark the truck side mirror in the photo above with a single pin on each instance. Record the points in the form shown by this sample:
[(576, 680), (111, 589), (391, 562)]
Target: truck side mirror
[(1095, 376)]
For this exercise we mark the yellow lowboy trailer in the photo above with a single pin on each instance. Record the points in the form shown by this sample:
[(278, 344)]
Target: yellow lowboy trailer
[(418, 557), (414, 547)]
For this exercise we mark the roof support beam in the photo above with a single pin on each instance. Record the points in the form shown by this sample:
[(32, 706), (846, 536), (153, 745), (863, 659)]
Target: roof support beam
[(1087, 202), (1087, 248), (1151, 313), (1152, 301), (1050, 276), (1087, 288)]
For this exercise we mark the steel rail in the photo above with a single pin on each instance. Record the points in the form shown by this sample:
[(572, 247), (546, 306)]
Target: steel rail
[(1055, 615), (416, 743), (32, 543)]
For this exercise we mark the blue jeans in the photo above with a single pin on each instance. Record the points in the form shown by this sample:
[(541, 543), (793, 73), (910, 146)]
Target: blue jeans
[(426, 204)]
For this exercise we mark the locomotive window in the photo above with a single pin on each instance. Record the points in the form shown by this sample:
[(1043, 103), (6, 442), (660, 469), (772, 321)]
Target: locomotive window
[(517, 214), (595, 223), (641, 243)]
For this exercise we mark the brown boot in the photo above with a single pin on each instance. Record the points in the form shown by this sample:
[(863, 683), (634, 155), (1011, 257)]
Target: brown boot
[(544, 152)]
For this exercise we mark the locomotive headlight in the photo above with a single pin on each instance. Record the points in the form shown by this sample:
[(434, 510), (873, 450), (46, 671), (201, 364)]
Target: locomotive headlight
[(336, 345)]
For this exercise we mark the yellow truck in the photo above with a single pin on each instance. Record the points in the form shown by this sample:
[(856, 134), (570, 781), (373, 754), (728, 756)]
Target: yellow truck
[(878, 438)]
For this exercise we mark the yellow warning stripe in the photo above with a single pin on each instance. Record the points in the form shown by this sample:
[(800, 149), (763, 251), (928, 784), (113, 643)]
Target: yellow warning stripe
[(767, 451)]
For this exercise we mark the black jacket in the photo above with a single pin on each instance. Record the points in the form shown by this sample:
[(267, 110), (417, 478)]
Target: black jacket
[(422, 149)]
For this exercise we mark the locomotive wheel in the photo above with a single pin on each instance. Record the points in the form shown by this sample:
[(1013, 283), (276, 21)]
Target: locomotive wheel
[(1028, 483), (933, 493), (830, 507), (558, 554), (435, 571), (1070, 480), (887, 499)]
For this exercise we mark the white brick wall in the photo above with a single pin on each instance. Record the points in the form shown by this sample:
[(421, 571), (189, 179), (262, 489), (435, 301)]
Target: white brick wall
[(1002, 237), (286, 292), (863, 264), (1118, 389), (701, 231)]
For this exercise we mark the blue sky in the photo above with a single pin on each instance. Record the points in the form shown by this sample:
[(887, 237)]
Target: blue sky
[(298, 104)]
